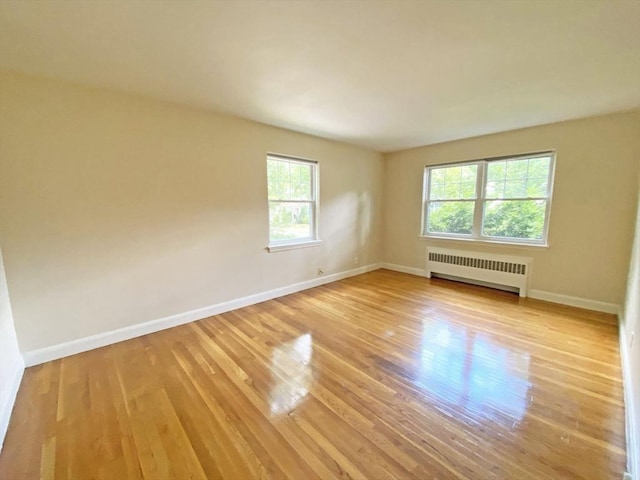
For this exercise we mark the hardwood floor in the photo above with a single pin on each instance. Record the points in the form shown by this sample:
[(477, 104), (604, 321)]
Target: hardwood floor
[(378, 376)]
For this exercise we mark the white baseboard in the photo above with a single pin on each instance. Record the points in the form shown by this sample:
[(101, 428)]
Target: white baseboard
[(631, 416), (537, 294), (10, 398), (420, 272), (575, 301), (91, 342)]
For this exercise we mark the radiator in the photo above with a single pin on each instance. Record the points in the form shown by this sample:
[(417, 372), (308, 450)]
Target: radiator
[(504, 270)]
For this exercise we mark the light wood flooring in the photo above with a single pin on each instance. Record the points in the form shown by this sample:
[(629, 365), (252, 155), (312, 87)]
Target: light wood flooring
[(380, 376)]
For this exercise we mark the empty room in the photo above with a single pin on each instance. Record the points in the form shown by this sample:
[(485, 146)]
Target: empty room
[(305, 239)]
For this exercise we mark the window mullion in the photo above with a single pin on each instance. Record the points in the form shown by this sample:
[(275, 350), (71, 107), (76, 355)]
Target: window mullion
[(479, 203)]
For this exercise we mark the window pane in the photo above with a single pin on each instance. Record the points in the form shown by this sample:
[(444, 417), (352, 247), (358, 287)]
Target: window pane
[(514, 219), (300, 176), (276, 177), (539, 167), (437, 175), (289, 180), (496, 171), (517, 169), (453, 183), (453, 174), (289, 221), (452, 191), (469, 173), (515, 188), (468, 190), (537, 187), (517, 178), (437, 192), (495, 190), (450, 217)]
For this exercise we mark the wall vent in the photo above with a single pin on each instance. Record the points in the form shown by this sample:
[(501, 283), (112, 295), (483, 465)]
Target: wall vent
[(498, 269)]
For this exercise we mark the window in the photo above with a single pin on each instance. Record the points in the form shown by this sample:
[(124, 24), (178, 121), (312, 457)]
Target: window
[(293, 210), (499, 200)]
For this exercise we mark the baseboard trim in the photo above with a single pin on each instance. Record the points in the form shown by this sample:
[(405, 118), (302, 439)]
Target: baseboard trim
[(54, 352), (403, 269), (10, 399), (537, 294), (632, 433), (575, 301)]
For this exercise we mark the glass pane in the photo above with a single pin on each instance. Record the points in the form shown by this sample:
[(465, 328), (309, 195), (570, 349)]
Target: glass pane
[(514, 219), (450, 217), (300, 176), (453, 174), (437, 192), (277, 185), (517, 169), (453, 183), (537, 187), (452, 191), (437, 175), (515, 188), (469, 173), (517, 178), (495, 189), (468, 190), (496, 171), (289, 180), (289, 221), (539, 167)]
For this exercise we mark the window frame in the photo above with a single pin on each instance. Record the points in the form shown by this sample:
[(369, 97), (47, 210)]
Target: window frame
[(289, 243), (481, 199)]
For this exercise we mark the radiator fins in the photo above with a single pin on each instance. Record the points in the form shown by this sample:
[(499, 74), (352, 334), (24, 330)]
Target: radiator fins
[(481, 263)]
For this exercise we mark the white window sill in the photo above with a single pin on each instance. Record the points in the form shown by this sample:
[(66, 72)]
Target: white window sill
[(280, 247), (486, 242)]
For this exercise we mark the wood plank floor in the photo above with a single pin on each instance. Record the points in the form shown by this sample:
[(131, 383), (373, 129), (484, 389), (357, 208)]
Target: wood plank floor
[(380, 376)]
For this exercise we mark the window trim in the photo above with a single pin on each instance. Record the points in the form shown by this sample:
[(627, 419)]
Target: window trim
[(480, 200), (313, 240)]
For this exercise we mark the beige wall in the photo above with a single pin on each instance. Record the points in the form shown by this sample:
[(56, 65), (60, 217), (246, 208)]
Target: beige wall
[(592, 214), (117, 210)]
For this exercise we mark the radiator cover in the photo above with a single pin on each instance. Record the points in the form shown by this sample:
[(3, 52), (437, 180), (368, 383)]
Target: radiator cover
[(508, 270)]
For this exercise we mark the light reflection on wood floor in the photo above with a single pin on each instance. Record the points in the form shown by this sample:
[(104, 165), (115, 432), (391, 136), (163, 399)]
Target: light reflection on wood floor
[(379, 376)]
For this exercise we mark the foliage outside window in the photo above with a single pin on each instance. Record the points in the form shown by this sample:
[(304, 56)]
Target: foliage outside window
[(292, 200), (504, 199)]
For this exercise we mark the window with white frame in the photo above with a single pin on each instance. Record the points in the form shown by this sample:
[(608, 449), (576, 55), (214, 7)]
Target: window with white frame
[(293, 193), (505, 199)]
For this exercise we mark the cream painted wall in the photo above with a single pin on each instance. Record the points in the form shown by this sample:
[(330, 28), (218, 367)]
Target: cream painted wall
[(11, 363), (592, 212), (117, 210)]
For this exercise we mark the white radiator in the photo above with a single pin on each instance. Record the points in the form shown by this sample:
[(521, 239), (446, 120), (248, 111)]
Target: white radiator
[(505, 270)]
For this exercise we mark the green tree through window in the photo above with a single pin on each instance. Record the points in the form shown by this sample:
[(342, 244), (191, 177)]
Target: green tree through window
[(292, 199), (504, 199)]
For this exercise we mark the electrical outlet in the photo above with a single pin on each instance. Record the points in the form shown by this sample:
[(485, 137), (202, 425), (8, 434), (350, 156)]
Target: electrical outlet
[(320, 271), (355, 260), (631, 340)]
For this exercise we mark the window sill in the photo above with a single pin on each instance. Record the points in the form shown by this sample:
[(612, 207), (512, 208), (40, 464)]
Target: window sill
[(281, 247), (486, 242)]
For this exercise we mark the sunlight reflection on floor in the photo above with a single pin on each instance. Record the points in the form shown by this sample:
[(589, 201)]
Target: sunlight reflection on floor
[(290, 366), (472, 371)]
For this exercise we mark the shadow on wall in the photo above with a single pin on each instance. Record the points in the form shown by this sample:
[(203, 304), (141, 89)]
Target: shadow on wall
[(352, 226)]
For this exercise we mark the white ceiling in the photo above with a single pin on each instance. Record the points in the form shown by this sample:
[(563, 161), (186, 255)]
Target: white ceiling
[(386, 75)]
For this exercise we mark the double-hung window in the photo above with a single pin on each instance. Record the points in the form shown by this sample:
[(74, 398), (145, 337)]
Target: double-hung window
[(293, 195), (505, 199)]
